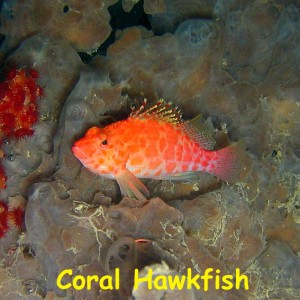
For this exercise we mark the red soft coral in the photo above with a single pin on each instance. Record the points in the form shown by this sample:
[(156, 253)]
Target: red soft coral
[(18, 102), (3, 218), (8, 218), (2, 177), (18, 106)]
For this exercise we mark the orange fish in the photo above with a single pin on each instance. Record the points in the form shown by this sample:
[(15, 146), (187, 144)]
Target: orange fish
[(154, 143)]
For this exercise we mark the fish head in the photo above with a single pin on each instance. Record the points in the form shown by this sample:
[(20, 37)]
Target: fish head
[(94, 151)]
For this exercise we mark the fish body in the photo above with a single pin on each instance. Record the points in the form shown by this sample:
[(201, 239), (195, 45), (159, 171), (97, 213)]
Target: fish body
[(154, 144)]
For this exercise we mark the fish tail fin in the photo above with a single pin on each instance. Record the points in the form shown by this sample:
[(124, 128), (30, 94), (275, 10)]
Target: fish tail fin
[(229, 161)]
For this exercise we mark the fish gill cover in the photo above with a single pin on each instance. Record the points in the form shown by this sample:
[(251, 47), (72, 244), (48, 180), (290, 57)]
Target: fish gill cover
[(234, 62)]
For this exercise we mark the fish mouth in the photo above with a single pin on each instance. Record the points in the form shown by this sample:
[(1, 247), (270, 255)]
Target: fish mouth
[(78, 152)]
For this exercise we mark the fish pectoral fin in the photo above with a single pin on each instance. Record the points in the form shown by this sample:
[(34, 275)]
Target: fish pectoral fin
[(131, 186)]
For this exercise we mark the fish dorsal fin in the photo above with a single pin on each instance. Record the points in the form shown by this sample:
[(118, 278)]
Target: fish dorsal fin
[(165, 112), (162, 111), (202, 131)]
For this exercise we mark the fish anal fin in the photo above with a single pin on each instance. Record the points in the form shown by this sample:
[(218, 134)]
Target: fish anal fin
[(131, 186), (185, 176)]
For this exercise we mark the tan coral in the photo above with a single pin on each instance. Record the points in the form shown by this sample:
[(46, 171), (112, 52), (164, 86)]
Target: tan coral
[(84, 24)]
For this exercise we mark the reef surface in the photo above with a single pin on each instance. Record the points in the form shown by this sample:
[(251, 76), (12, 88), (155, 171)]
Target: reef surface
[(234, 62)]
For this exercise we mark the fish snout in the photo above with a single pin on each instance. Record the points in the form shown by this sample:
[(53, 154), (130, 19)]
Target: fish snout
[(77, 151), (82, 149)]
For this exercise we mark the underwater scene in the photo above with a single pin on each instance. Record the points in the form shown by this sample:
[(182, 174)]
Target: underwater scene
[(150, 150)]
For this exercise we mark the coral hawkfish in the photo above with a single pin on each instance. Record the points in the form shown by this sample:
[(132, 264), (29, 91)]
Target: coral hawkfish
[(154, 143)]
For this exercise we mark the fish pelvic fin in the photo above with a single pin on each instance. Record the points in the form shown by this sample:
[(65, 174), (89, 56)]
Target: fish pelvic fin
[(229, 162), (131, 186)]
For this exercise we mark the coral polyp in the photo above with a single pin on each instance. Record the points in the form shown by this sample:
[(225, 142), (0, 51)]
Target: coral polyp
[(15, 216), (2, 177), (10, 217)]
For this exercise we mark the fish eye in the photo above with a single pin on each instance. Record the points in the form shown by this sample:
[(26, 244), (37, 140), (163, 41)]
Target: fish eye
[(102, 140)]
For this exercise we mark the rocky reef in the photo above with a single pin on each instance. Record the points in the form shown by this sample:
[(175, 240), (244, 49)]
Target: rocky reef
[(234, 62)]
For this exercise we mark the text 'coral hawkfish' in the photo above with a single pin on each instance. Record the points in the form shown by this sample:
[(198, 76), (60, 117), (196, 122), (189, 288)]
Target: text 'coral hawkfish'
[(154, 143)]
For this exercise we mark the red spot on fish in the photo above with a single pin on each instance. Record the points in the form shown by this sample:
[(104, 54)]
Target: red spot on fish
[(151, 151), (110, 168), (153, 164), (195, 168), (158, 172), (100, 161), (204, 163), (162, 145), (185, 167), (170, 167), (187, 156), (136, 161)]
